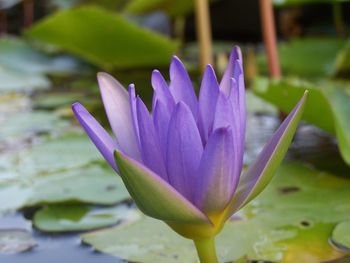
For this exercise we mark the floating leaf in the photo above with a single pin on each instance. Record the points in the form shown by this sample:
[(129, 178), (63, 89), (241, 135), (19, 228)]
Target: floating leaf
[(307, 57), (103, 38), (15, 241), (327, 106), (18, 55), (67, 218), (279, 226), (87, 185), (341, 235), (58, 154), (13, 80), (23, 125)]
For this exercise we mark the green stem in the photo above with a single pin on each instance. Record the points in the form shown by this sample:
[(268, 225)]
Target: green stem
[(206, 250)]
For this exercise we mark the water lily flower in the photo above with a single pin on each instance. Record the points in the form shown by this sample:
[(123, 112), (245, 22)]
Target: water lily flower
[(183, 163)]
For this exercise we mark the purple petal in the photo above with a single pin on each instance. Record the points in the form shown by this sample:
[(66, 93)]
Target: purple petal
[(228, 115), (150, 148), (237, 98), (116, 101), (154, 196), (237, 94), (231, 71), (161, 119), (261, 171), (218, 176), (103, 141), (181, 86), (161, 92), (184, 151), (207, 101), (132, 101)]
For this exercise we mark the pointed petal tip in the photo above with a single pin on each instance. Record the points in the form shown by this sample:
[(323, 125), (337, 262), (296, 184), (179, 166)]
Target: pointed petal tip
[(101, 75), (104, 79), (155, 72), (76, 105), (236, 53), (176, 62)]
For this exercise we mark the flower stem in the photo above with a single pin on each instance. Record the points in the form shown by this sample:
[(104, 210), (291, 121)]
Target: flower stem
[(270, 39), (206, 250), (204, 32)]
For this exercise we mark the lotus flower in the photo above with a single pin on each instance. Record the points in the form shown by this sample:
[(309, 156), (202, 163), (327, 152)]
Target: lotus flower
[(183, 163)]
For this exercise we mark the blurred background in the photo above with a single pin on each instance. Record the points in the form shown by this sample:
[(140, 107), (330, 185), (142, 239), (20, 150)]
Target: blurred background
[(55, 188)]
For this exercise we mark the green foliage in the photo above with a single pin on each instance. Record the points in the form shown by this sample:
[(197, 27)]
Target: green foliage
[(103, 38), (300, 207), (341, 235), (82, 185), (19, 126), (174, 8), (307, 57), (328, 105), (342, 65), (67, 218), (23, 68)]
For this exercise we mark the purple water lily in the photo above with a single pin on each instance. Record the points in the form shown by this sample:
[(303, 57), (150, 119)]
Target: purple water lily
[(183, 163)]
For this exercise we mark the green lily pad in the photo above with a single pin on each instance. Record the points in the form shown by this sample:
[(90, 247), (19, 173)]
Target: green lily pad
[(67, 218), (54, 155), (15, 241), (327, 106), (341, 235), (307, 57), (93, 184), (55, 100), (103, 38), (13, 80), (279, 226), (24, 125), (18, 55)]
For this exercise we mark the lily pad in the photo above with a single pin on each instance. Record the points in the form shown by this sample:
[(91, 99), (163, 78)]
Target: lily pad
[(67, 218), (54, 155), (307, 57), (103, 38), (279, 226), (13, 80), (341, 235), (327, 106), (94, 185), (15, 241), (23, 125), (18, 55)]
